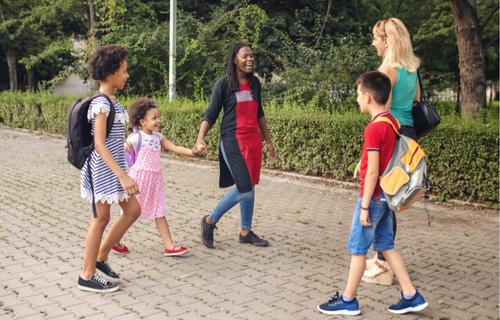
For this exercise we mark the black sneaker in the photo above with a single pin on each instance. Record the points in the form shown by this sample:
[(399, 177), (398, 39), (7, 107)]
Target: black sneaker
[(96, 284), (254, 239), (207, 233), (106, 272)]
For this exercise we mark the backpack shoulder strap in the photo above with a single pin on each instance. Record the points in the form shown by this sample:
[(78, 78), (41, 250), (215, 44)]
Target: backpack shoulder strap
[(387, 120), (137, 147), (111, 116), (139, 142)]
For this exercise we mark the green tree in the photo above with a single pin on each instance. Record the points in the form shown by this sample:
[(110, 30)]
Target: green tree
[(38, 36)]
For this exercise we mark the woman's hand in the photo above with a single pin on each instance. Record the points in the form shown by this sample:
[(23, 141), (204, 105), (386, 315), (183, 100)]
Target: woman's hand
[(128, 184), (271, 152), (200, 147)]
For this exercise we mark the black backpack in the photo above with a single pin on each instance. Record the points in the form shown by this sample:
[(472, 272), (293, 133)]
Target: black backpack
[(80, 141)]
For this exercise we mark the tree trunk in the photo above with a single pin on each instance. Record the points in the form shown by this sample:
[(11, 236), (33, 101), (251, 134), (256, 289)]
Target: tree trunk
[(91, 27), (31, 78), (471, 56), (12, 63), (11, 59)]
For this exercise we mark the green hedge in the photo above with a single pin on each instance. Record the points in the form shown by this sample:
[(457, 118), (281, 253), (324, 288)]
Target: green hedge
[(463, 153)]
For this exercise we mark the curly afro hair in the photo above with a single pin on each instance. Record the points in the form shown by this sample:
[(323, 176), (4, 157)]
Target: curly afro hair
[(138, 110), (106, 60)]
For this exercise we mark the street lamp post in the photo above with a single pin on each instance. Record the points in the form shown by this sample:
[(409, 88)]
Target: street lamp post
[(172, 53)]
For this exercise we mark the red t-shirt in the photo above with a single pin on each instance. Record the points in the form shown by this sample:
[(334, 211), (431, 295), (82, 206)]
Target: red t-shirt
[(378, 136)]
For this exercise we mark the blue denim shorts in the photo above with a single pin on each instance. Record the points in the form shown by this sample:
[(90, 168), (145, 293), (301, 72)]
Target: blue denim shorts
[(380, 233)]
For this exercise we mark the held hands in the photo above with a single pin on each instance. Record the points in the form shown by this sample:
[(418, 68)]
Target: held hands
[(200, 147), (364, 218), (128, 184)]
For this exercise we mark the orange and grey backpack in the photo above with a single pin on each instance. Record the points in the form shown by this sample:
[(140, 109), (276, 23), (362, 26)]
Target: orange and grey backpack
[(404, 180)]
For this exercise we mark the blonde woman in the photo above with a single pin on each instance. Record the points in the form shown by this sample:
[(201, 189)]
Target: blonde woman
[(392, 41)]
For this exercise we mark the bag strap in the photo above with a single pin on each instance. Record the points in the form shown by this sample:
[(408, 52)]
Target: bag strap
[(111, 116), (139, 141), (387, 120), (422, 95), (91, 182)]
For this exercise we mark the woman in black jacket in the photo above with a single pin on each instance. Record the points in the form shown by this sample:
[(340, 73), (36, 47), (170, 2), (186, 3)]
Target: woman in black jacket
[(238, 93)]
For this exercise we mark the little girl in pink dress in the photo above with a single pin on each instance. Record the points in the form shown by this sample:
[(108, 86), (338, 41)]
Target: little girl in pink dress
[(143, 149)]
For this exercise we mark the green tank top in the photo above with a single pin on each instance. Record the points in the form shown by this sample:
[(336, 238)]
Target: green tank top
[(402, 96)]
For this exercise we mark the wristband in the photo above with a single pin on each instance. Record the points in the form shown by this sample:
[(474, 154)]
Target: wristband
[(365, 208)]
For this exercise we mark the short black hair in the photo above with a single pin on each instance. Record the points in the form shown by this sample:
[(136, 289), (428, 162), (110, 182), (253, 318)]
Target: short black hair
[(377, 84), (106, 60), (138, 110)]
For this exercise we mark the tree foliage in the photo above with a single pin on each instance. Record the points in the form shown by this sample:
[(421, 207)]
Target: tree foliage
[(310, 51), (40, 34)]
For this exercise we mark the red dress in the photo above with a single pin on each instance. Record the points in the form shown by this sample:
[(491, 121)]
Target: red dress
[(240, 133), (248, 133)]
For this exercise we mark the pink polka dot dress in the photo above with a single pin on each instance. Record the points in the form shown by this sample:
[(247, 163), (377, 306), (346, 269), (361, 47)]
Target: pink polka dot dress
[(147, 172)]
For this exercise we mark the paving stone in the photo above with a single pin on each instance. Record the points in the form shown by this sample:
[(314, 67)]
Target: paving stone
[(455, 262)]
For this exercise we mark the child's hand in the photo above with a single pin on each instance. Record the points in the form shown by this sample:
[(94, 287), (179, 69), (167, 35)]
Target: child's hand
[(196, 152), (129, 185), (200, 147), (364, 218), (356, 170)]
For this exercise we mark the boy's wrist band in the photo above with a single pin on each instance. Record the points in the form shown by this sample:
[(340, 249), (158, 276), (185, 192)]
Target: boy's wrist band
[(364, 208)]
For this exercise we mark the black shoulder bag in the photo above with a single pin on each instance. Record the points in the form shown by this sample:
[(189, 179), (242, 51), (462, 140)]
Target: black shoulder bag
[(425, 118)]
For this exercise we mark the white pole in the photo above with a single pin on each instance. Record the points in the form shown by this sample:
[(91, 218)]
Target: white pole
[(172, 53)]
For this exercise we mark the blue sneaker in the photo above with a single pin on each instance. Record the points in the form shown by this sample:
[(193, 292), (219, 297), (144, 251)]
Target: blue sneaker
[(414, 304), (337, 305)]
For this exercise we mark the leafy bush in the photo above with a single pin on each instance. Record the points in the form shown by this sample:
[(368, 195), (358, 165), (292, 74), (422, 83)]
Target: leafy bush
[(35, 111), (463, 153)]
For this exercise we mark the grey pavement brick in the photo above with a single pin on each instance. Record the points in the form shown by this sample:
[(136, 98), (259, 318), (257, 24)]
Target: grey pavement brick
[(172, 309), (25, 292), (455, 262), (67, 300), (111, 310), (157, 316), (38, 300), (22, 310), (11, 300), (51, 310), (34, 317), (83, 310), (125, 317), (143, 309)]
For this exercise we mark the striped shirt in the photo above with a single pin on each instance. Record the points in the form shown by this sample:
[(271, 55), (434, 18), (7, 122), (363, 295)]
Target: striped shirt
[(107, 187)]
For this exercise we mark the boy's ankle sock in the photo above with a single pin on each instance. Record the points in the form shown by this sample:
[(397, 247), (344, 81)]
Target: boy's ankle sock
[(408, 296), (346, 299)]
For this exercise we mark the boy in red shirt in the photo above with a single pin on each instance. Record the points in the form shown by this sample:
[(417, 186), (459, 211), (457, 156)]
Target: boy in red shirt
[(372, 221)]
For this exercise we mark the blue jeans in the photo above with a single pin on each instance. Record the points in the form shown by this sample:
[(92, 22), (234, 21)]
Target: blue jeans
[(380, 233), (232, 198)]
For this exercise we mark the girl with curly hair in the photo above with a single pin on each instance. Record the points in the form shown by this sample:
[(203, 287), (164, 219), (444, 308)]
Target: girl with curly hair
[(143, 147)]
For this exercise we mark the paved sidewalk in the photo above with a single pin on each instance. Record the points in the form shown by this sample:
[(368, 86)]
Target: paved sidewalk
[(455, 262)]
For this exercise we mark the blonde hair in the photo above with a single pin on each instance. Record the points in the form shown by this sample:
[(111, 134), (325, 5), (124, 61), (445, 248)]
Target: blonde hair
[(399, 52)]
